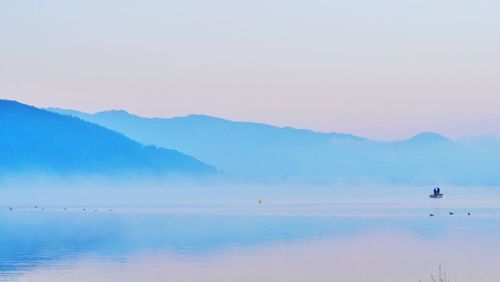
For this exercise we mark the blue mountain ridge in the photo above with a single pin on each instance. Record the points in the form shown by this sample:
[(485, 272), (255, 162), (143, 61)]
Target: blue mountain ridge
[(39, 141), (283, 153)]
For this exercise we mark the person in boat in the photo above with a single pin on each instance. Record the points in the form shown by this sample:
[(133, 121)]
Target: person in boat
[(438, 191), (435, 191)]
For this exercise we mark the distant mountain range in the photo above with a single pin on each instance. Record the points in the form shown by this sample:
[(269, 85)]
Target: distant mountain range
[(33, 140), (272, 153)]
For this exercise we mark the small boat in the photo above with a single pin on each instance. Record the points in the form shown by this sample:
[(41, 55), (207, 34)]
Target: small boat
[(436, 193)]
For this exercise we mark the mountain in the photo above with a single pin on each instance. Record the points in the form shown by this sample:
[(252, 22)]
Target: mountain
[(244, 148), (273, 153), (428, 138), (39, 141)]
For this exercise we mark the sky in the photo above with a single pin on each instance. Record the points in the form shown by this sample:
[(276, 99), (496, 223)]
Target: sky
[(380, 69)]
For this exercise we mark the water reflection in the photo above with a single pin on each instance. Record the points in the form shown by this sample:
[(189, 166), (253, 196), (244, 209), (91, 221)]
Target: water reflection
[(31, 239)]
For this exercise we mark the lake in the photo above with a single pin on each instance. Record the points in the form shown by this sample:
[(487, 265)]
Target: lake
[(309, 240)]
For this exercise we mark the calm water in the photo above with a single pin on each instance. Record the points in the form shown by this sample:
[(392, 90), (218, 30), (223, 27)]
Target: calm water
[(35, 240)]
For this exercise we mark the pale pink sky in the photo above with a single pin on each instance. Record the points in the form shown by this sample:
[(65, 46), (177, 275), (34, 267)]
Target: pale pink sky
[(380, 69)]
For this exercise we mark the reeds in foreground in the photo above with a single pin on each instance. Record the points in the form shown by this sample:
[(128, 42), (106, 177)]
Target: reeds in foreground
[(440, 276)]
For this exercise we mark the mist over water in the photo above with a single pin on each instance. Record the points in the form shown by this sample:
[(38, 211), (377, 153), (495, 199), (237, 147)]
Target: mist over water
[(249, 141), (190, 232)]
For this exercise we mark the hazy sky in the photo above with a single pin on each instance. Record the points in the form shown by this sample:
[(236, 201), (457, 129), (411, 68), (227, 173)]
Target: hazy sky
[(381, 69)]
